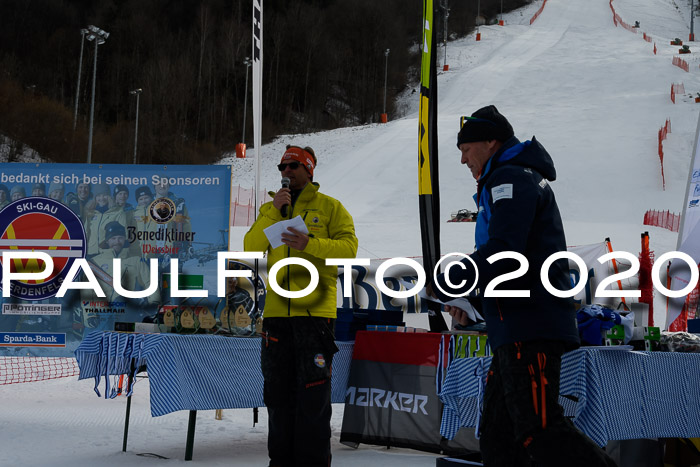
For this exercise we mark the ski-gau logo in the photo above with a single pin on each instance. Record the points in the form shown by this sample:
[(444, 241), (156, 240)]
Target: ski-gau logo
[(40, 225)]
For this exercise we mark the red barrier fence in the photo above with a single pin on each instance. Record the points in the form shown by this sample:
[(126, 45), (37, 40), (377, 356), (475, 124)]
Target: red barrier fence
[(619, 22), (243, 206), (532, 20), (28, 369), (663, 132), (680, 63), (646, 37), (689, 311), (664, 219), (676, 88)]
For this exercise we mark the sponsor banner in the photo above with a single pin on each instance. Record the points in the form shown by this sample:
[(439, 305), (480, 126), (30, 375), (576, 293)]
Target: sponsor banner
[(45, 309), (32, 339), (688, 240), (391, 398), (155, 220)]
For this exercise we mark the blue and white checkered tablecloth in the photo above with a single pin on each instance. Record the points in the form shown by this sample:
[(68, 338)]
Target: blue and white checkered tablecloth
[(191, 372), (620, 394)]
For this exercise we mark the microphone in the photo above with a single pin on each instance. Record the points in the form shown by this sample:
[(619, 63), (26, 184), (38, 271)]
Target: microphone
[(285, 184)]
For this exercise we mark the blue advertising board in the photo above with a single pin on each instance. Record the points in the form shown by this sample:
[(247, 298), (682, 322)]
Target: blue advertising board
[(84, 216)]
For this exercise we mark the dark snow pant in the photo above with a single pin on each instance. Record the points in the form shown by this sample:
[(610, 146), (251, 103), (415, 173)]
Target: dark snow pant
[(296, 361), (523, 423)]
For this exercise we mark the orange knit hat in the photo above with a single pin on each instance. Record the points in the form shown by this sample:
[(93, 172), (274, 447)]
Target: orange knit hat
[(301, 156)]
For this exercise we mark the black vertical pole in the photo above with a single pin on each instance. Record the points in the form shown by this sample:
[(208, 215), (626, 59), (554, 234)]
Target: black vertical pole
[(129, 382), (190, 435)]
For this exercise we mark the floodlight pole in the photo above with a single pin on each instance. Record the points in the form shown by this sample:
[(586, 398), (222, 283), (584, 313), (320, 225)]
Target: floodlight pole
[(83, 31), (99, 36), (137, 93)]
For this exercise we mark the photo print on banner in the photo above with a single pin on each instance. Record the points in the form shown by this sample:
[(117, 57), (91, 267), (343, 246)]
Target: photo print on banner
[(177, 216)]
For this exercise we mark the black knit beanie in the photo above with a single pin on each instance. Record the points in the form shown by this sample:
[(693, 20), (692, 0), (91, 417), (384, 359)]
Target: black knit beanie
[(484, 125)]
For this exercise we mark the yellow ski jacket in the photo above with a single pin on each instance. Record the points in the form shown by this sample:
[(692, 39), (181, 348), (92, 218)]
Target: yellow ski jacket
[(332, 235)]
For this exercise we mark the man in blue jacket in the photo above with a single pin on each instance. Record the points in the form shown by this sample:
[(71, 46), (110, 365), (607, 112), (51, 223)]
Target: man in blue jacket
[(529, 328)]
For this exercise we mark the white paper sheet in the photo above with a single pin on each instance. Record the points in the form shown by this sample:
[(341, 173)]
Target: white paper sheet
[(275, 231), (461, 302)]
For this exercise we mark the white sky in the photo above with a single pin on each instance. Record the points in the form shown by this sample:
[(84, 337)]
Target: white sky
[(593, 94)]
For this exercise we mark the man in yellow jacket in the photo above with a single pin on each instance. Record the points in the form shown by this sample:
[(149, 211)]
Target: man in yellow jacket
[(298, 340)]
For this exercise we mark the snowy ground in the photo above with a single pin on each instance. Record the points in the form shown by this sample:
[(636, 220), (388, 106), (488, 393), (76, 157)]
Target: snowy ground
[(593, 94)]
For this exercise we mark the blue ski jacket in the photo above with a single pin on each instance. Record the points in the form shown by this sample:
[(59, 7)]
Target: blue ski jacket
[(518, 212)]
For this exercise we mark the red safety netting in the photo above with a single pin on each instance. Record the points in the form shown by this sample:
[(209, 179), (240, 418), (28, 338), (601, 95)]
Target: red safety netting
[(676, 88), (27, 369), (619, 22), (243, 205), (691, 303), (646, 37), (680, 63), (664, 219)]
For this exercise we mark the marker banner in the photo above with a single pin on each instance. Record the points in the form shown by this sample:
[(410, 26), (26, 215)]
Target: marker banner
[(83, 217)]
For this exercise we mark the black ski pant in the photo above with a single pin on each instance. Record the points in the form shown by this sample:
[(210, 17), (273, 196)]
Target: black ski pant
[(296, 358), (523, 423)]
